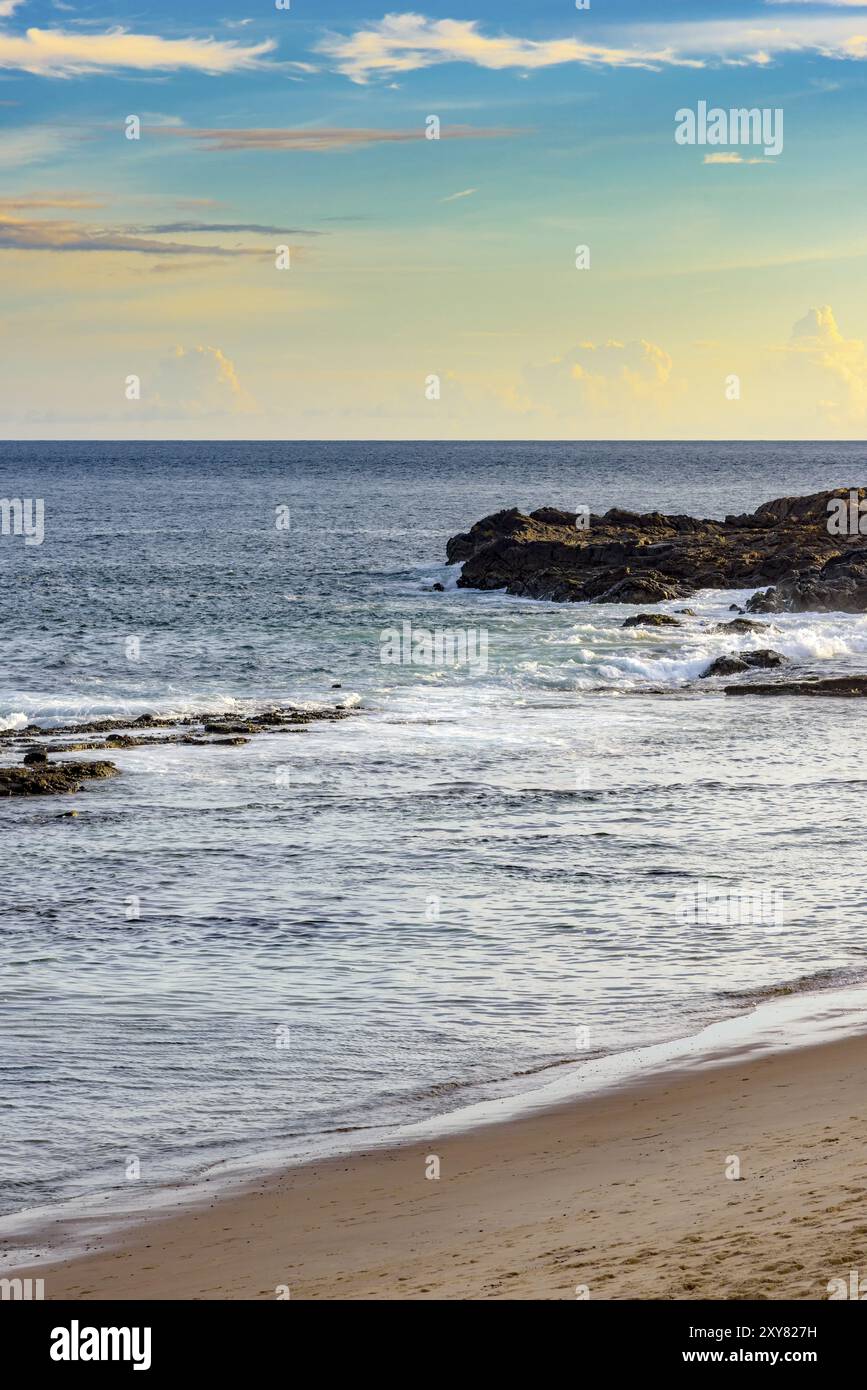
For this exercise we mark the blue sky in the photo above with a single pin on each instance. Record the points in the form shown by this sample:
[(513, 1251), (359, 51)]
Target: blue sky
[(412, 258)]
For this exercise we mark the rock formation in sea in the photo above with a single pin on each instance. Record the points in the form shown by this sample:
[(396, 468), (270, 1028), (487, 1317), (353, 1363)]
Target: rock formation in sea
[(787, 548)]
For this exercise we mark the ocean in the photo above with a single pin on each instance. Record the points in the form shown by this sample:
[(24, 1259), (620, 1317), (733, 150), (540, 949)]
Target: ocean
[(471, 884)]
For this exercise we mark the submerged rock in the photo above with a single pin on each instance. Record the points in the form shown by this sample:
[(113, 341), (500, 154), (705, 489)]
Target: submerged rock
[(630, 557)]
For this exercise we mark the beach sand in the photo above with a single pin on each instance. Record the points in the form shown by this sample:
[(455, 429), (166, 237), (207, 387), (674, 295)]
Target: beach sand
[(625, 1193)]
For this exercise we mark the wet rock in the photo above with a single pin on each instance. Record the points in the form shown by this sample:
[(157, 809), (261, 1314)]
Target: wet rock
[(651, 620), (51, 779), (741, 625), (232, 741), (218, 728), (630, 557), (34, 756), (744, 661), (838, 586), (438, 588), (846, 686), (736, 608), (686, 612), (724, 666)]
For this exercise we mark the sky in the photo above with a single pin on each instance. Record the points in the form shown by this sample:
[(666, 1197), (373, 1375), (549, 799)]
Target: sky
[(284, 253)]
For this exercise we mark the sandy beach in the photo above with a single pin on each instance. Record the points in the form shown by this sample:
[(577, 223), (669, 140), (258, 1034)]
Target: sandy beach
[(624, 1194)]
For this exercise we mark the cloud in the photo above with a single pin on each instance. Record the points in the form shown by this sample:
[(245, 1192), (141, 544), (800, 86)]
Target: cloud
[(32, 145), (401, 43), (466, 193), (177, 228), (405, 42), (19, 234), (197, 381), (605, 385), (8, 7), (39, 200), (325, 137), (747, 41), (734, 159), (834, 367), (58, 53)]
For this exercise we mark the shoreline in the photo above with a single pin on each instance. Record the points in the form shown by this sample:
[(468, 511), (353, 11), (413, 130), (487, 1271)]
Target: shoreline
[(623, 1191)]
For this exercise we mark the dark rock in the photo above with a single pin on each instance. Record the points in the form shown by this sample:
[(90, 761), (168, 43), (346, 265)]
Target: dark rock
[(838, 586), (849, 686), (438, 588), (744, 661), (336, 685), (686, 612), (629, 557), (52, 779), (724, 666), (35, 755), (741, 625), (232, 741), (651, 620), (736, 608), (218, 728)]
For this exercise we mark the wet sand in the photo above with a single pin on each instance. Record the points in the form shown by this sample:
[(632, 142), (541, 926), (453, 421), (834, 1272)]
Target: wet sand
[(619, 1195)]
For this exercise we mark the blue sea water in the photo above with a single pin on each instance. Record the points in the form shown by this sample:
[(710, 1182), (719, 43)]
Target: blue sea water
[(470, 880)]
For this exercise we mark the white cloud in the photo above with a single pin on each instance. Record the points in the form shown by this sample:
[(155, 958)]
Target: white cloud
[(465, 193), (56, 53), (400, 43), (404, 42)]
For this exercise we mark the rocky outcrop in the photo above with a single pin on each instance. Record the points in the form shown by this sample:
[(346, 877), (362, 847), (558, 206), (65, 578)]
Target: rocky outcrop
[(640, 558)]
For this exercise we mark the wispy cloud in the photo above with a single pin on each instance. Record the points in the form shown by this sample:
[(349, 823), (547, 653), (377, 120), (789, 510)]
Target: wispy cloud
[(465, 193), (25, 145), (40, 200), (405, 42), (734, 159), (58, 53), (8, 7), (401, 43), (326, 137), (20, 234), (179, 228)]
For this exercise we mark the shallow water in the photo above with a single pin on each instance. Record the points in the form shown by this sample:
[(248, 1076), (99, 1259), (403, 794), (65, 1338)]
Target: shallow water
[(472, 880)]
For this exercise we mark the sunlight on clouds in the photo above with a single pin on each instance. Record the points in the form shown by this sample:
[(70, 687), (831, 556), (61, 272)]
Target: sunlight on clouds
[(56, 53), (405, 42)]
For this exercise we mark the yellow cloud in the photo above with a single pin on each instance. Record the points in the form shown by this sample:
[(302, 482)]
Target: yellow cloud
[(56, 53)]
